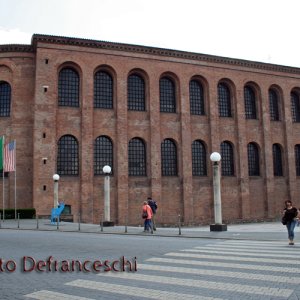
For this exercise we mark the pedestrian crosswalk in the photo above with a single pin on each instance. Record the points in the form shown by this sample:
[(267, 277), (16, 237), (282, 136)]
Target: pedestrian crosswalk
[(227, 269)]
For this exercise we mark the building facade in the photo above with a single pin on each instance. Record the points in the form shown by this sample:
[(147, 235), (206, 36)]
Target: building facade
[(155, 116)]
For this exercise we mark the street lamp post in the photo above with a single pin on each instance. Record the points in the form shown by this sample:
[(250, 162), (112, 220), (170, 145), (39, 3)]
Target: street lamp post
[(55, 179), (107, 221), (215, 157)]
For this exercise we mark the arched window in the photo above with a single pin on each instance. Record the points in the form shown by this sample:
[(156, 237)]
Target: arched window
[(253, 160), (103, 154), (250, 103), (224, 100), (168, 158), (274, 105), (68, 88), (196, 98), (136, 93), (227, 162), (5, 99), (199, 159), (103, 90), (277, 160), (297, 159), (295, 102), (167, 95), (67, 156), (136, 157)]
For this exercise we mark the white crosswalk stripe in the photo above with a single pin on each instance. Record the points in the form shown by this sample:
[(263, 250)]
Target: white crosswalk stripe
[(222, 270)]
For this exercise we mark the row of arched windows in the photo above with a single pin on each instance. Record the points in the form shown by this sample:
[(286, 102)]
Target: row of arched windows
[(68, 157), (69, 95)]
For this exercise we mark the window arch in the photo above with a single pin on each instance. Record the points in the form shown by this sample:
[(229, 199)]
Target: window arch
[(136, 157), (196, 98), (295, 104), (277, 160), (274, 105), (103, 154), (103, 90), (136, 93), (227, 163), (250, 103), (169, 158), (5, 99), (253, 160), (199, 158), (67, 156), (297, 159), (68, 87), (167, 95), (224, 100)]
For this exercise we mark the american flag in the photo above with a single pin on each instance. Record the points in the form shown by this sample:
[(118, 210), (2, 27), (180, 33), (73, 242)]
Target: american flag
[(10, 157)]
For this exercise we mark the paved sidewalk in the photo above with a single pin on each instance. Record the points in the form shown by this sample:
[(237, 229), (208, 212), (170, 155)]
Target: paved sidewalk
[(265, 231)]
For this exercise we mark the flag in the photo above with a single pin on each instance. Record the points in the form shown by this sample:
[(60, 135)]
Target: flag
[(1, 152), (9, 157)]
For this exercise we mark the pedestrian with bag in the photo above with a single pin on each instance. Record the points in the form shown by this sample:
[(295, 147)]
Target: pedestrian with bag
[(289, 218), (153, 205), (147, 216)]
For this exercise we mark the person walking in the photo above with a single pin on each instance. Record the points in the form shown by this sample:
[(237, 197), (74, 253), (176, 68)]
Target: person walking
[(147, 216), (153, 205), (289, 217)]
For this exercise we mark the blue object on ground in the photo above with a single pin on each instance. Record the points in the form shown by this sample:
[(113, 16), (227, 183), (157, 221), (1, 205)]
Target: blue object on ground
[(56, 212)]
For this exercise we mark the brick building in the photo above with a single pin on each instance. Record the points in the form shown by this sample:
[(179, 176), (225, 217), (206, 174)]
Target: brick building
[(154, 115)]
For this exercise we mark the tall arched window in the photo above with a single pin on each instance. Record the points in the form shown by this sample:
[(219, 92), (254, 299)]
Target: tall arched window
[(136, 157), (277, 160), (295, 102), (224, 100), (250, 103), (167, 95), (196, 98), (5, 99), (67, 156), (68, 87), (274, 105), (103, 90), (169, 158), (136, 93), (297, 159), (103, 154), (253, 160), (199, 158), (227, 162)]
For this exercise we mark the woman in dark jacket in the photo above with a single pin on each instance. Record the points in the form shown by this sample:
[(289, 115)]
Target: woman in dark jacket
[(290, 216)]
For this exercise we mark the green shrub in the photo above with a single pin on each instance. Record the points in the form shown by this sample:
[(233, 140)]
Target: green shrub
[(25, 213)]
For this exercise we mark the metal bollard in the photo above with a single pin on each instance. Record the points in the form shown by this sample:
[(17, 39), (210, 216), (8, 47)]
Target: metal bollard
[(101, 223), (57, 223), (78, 222), (18, 220), (0, 220), (37, 221), (126, 224), (179, 225)]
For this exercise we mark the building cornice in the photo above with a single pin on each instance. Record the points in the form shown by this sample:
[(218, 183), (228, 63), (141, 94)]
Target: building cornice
[(16, 48)]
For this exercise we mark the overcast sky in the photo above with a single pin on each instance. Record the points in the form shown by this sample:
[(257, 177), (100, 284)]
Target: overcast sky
[(259, 30)]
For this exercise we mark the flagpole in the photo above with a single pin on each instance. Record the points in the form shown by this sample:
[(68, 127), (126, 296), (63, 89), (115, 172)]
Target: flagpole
[(3, 141), (15, 180)]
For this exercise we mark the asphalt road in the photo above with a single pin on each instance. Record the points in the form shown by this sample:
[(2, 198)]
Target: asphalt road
[(166, 267)]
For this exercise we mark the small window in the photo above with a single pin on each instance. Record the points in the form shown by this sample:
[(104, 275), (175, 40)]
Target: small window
[(196, 98), (224, 100), (136, 157), (295, 102), (297, 159), (227, 162), (167, 95), (68, 88), (168, 158), (274, 105), (136, 93), (277, 160), (103, 90), (250, 103), (253, 159), (5, 99)]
